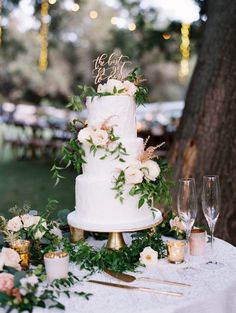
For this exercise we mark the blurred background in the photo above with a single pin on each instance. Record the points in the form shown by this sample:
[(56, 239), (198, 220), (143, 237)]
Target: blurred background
[(46, 51)]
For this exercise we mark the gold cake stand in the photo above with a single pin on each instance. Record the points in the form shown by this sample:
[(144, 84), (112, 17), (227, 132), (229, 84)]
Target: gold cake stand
[(115, 239)]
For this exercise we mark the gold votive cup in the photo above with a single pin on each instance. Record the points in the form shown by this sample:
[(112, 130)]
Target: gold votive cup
[(22, 247), (56, 265), (175, 251)]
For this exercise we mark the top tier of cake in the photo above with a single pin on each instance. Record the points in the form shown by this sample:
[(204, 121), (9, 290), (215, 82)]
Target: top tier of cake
[(121, 110)]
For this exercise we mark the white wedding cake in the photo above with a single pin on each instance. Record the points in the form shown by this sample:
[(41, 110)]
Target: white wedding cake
[(97, 208)]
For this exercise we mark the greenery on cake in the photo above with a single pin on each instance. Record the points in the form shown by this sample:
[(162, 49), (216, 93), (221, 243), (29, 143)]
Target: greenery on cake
[(73, 154), (102, 137), (147, 178), (129, 86)]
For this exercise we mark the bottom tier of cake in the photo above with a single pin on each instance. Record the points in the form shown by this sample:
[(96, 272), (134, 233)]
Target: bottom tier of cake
[(98, 210)]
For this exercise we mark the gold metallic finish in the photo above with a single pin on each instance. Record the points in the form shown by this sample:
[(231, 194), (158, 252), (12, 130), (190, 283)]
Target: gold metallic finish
[(144, 289), (22, 247), (43, 57), (130, 278), (55, 255), (76, 234), (115, 241)]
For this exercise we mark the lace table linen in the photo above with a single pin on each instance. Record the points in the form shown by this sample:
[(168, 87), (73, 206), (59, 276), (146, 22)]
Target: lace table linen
[(211, 291)]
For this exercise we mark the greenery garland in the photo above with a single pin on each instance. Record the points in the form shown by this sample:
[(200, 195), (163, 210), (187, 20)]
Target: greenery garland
[(125, 259)]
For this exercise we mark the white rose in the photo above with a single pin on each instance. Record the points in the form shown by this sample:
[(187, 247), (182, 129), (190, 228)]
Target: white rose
[(177, 223), (29, 281), (129, 88), (56, 231), (14, 224), (102, 88), (41, 230), (148, 257), (29, 220), (100, 137), (10, 257), (133, 175), (85, 134), (151, 170), (114, 83)]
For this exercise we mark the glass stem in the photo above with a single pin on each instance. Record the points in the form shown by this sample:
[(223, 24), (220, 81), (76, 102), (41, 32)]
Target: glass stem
[(212, 241), (187, 243)]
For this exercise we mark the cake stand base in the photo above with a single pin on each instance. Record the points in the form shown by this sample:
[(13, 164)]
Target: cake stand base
[(115, 238), (115, 241)]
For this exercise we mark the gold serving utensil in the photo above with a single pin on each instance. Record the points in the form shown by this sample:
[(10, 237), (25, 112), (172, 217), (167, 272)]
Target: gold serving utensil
[(130, 278), (150, 290)]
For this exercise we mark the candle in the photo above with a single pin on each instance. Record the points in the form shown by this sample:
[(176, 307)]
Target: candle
[(197, 242), (56, 265), (175, 251), (22, 248)]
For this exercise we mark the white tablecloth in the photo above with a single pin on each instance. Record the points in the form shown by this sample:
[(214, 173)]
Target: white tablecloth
[(211, 291)]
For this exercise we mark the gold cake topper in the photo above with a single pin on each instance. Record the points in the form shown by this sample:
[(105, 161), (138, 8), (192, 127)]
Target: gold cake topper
[(109, 67)]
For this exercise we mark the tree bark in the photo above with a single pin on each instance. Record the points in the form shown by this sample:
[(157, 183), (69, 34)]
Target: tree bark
[(206, 139)]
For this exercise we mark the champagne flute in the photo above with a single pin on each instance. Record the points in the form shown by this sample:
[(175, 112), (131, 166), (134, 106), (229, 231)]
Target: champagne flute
[(211, 201), (187, 206)]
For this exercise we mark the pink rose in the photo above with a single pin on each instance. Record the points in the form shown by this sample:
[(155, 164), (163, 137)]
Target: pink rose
[(6, 283), (10, 257)]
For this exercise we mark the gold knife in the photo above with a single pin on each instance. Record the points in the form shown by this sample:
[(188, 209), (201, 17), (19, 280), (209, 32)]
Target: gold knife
[(130, 278), (150, 290)]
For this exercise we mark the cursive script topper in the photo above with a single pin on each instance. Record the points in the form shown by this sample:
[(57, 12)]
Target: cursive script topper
[(109, 66)]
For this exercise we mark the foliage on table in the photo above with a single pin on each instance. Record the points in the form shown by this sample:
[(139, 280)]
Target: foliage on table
[(125, 259), (171, 227), (23, 291), (43, 233)]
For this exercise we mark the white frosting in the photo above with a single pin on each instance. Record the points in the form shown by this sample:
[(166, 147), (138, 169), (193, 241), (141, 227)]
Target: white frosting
[(122, 110), (97, 208), (95, 201), (96, 167)]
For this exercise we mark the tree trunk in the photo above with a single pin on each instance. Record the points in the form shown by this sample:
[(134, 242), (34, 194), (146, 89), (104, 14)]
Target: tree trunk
[(206, 139)]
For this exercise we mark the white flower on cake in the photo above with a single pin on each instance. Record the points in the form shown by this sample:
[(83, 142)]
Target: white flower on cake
[(177, 224), (148, 257), (14, 224), (133, 174), (9, 257), (113, 84), (100, 137), (129, 88), (85, 134), (102, 88), (151, 169)]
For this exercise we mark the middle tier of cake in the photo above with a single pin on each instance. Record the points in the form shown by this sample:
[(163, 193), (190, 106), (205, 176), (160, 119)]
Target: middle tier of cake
[(95, 166)]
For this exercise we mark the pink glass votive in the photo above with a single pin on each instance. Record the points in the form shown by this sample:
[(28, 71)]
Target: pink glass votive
[(197, 242)]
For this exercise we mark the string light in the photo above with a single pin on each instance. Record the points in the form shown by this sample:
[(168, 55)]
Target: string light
[(131, 27), (93, 14), (43, 57), (185, 51), (166, 36), (0, 22), (114, 20), (75, 7)]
